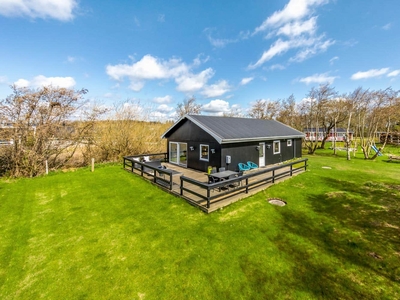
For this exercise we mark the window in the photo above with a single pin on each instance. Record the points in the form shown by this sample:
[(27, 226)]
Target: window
[(204, 152), (277, 147), (289, 143)]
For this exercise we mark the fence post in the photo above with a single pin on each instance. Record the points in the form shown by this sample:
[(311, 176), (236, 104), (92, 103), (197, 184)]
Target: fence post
[(92, 164), (47, 167), (273, 176), (247, 185), (291, 170)]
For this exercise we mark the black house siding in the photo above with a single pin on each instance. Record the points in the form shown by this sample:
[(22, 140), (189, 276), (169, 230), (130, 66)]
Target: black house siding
[(194, 136), (240, 153)]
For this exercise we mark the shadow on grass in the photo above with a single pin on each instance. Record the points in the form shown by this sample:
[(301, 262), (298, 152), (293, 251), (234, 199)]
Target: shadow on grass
[(349, 246)]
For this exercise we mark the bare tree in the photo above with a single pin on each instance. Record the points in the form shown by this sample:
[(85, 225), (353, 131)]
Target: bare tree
[(263, 109), (313, 111), (336, 111), (373, 111), (45, 128), (128, 130), (288, 113), (188, 106)]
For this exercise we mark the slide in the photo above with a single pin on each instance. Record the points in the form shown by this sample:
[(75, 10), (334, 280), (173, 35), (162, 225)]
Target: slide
[(376, 150)]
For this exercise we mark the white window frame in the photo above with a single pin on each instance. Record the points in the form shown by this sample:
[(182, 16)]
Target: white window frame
[(289, 143), (279, 147), (201, 152)]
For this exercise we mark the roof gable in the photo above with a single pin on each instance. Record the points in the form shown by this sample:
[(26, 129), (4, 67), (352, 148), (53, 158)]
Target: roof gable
[(236, 130)]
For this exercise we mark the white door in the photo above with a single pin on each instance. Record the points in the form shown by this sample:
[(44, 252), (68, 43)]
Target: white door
[(261, 155)]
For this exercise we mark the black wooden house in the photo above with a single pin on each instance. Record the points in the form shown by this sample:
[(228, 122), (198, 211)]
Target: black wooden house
[(197, 142)]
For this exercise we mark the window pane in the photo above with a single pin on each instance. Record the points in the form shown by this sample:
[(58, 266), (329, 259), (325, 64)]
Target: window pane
[(277, 147), (182, 153), (204, 152), (173, 152)]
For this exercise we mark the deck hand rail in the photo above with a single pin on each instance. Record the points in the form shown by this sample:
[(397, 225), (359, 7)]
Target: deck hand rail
[(208, 187)]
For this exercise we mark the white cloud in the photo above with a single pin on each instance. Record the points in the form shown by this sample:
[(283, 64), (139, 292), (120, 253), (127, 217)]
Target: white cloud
[(22, 83), (216, 107), (277, 67), (318, 78), (40, 81), (318, 46), (153, 68), (333, 59), (246, 80), (294, 32), (309, 46), (148, 68), (277, 48), (369, 74), (161, 100), (62, 10), (217, 89), (298, 28), (394, 73), (294, 10), (222, 42), (193, 82), (164, 108)]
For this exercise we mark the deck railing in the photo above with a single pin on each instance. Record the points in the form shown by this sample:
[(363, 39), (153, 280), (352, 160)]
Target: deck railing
[(241, 183), (210, 192), (159, 175)]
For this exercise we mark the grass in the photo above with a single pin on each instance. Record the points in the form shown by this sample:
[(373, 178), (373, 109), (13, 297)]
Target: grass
[(112, 235)]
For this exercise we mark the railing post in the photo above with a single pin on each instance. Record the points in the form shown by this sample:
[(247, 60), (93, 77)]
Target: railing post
[(291, 170), (247, 185), (208, 197), (273, 176), (181, 187), (170, 181)]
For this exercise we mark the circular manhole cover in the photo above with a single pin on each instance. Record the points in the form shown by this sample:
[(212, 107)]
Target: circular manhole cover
[(278, 202)]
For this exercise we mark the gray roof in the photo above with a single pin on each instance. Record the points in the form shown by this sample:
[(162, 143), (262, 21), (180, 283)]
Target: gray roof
[(238, 130)]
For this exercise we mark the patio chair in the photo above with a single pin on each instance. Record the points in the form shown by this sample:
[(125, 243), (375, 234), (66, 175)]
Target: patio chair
[(221, 169), (243, 167), (234, 184), (252, 165)]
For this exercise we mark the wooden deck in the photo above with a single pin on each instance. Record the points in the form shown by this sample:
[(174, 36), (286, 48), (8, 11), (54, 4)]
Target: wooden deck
[(192, 185)]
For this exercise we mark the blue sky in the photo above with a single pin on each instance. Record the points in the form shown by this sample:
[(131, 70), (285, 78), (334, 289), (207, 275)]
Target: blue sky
[(227, 54)]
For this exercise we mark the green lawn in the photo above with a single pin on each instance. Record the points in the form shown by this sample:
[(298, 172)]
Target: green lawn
[(112, 235)]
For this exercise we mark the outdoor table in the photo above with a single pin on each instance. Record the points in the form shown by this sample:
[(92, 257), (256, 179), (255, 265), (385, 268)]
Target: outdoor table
[(224, 174)]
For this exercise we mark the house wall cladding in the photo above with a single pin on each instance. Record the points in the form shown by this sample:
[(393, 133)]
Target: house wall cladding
[(193, 135), (240, 153)]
